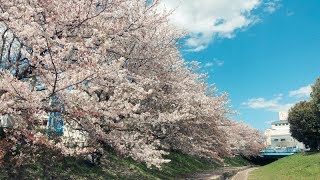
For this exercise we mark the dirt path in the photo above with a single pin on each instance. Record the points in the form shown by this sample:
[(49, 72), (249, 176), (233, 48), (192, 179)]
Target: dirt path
[(217, 174), (243, 175)]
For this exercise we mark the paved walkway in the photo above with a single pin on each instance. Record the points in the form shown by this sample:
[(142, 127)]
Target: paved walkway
[(243, 175)]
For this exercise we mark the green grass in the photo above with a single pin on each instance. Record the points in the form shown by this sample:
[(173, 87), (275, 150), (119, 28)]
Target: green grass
[(299, 166), (180, 164), (237, 161)]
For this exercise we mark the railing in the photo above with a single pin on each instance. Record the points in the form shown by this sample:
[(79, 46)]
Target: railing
[(284, 151)]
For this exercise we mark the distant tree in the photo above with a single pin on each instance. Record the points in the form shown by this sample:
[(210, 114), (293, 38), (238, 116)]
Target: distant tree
[(243, 139), (315, 94), (305, 124)]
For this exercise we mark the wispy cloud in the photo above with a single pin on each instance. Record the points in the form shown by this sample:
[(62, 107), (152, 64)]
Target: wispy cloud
[(215, 62), (273, 105), (277, 104), (209, 64), (269, 122), (289, 13), (301, 92), (219, 62), (206, 20), (272, 5)]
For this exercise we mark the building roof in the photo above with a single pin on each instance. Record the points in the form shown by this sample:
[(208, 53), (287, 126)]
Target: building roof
[(279, 122)]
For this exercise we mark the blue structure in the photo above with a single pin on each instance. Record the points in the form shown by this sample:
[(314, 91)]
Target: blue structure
[(55, 122), (23, 72), (279, 152)]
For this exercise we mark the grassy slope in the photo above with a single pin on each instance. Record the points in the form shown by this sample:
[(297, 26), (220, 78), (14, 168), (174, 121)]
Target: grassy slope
[(237, 161), (114, 167), (300, 166)]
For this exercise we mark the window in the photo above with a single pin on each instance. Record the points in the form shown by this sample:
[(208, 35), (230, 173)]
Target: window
[(276, 139), (283, 140)]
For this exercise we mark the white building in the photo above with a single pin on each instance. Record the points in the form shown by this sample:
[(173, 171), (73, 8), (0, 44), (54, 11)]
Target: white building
[(279, 136)]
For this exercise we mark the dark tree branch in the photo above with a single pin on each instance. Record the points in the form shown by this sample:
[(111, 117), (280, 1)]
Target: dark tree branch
[(4, 39), (85, 79), (10, 46), (19, 95), (54, 68)]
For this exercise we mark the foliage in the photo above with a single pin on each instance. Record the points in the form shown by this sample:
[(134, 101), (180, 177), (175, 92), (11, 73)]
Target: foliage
[(304, 119), (299, 166), (304, 124), (315, 94)]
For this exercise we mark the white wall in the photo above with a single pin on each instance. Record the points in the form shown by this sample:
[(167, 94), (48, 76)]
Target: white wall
[(281, 132)]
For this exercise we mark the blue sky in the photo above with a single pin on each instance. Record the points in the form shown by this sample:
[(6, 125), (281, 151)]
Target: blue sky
[(267, 62)]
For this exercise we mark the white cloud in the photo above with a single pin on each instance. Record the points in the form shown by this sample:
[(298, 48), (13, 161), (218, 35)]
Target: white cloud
[(219, 62), (276, 104), (215, 62), (206, 20), (272, 5), (273, 105), (269, 122), (209, 64), (301, 92)]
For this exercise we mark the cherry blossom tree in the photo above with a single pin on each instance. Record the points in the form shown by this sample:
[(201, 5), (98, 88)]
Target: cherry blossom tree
[(116, 71), (243, 140)]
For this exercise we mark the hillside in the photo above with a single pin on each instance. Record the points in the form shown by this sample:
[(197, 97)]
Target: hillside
[(300, 166), (53, 166)]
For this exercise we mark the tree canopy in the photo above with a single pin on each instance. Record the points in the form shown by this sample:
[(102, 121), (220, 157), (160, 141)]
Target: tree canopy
[(304, 119)]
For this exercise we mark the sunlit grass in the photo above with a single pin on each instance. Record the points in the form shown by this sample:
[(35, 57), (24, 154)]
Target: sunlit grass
[(300, 166)]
